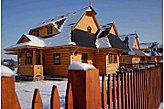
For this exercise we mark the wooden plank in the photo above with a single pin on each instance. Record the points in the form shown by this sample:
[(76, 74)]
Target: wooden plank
[(104, 93), (126, 91), (110, 95), (130, 90), (123, 90), (119, 91), (114, 92), (55, 98), (37, 101), (135, 90)]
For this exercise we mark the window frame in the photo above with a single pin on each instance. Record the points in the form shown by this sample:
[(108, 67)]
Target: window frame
[(36, 33), (49, 30), (57, 61), (142, 59), (112, 58), (84, 57), (89, 29), (29, 59)]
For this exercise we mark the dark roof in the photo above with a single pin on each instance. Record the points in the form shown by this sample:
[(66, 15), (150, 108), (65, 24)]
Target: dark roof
[(83, 38), (116, 42)]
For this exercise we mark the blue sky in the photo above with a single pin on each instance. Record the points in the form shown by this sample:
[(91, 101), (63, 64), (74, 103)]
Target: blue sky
[(141, 16)]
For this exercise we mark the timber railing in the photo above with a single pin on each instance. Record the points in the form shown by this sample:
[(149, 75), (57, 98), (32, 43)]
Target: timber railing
[(134, 89)]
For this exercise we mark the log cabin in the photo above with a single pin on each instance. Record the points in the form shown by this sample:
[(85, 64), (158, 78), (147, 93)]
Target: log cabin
[(151, 50), (52, 46), (135, 55)]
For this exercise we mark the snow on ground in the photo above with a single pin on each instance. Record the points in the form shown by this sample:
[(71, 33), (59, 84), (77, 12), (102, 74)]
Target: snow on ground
[(25, 92), (161, 106)]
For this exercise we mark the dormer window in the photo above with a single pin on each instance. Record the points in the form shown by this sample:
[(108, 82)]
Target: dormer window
[(49, 30), (36, 33), (89, 29), (60, 23)]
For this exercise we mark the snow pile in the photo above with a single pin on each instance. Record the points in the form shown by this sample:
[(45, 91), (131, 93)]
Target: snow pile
[(81, 66), (5, 71)]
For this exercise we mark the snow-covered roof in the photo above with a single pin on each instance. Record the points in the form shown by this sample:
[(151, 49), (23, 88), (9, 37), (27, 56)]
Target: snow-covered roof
[(61, 39), (64, 37), (81, 66), (148, 45), (152, 46), (129, 40), (33, 41)]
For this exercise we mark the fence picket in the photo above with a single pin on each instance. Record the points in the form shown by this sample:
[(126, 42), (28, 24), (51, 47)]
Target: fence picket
[(37, 101), (104, 93), (69, 97), (110, 95), (55, 99)]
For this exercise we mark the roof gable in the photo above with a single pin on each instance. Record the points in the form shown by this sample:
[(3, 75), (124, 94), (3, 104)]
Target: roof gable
[(23, 39)]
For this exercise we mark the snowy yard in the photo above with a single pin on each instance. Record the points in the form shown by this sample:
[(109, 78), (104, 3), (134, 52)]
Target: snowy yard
[(25, 92)]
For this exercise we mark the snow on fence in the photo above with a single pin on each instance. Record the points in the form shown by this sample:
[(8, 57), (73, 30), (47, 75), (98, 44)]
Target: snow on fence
[(138, 88)]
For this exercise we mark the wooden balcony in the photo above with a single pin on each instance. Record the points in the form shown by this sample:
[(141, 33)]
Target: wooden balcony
[(30, 70)]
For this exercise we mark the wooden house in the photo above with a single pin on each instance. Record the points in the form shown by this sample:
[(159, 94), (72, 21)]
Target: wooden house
[(109, 48), (151, 50), (135, 55), (52, 46)]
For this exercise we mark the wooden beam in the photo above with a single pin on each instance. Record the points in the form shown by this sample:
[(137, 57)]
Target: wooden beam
[(34, 56)]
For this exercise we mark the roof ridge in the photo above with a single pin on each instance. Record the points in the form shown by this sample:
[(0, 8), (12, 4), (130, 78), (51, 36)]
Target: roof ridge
[(60, 16)]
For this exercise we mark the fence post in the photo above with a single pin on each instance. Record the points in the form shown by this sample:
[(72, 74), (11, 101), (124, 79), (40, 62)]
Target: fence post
[(110, 95), (37, 101), (55, 99), (119, 91), (9, 99), (104, 93), (85, 88), (69, 97)]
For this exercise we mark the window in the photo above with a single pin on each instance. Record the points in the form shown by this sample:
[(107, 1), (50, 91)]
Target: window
[(84, 57), (38, 58), (149, 58), (57, 58), (89, 29), (36, 33), (142, 59), (29, 59), (49, 30), (115, 58), (112, 58)]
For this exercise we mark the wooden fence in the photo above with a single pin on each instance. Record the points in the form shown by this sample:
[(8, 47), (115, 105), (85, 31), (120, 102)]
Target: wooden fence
[(134, 89)]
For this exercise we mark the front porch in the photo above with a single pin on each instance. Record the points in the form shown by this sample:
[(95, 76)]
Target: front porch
[(30, 62)]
